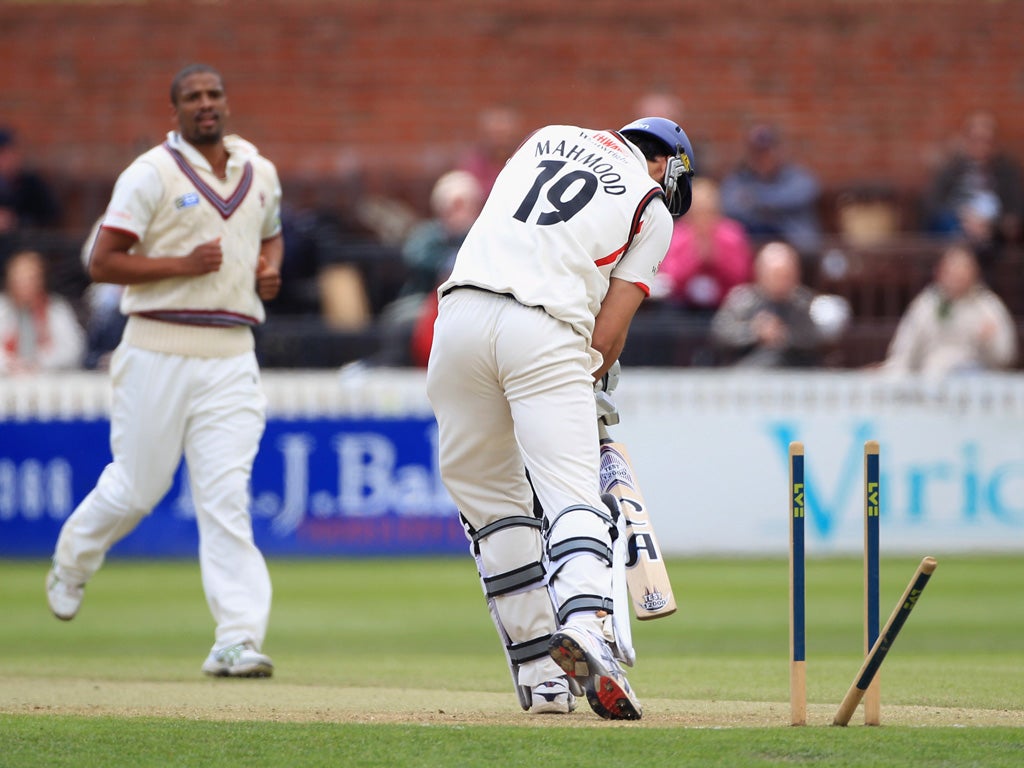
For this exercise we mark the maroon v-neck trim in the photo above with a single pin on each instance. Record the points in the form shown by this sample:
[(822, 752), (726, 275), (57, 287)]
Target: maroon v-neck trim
[(224, 206)]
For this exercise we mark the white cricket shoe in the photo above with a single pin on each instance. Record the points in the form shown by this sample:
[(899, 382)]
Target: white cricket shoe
[(588, 659), (552, 697), (238, 660), (64, 597)]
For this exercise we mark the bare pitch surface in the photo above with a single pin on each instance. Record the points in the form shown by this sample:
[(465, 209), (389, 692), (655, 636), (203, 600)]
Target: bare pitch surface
[(273, 700)]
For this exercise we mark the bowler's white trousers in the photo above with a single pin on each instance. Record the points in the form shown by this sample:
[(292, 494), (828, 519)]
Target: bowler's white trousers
[(511, 387), (214, 411)]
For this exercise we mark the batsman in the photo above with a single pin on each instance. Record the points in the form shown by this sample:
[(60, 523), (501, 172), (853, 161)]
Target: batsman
[(534, 314)]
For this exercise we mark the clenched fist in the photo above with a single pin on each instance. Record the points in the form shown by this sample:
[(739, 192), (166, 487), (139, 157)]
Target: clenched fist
[(268, 279), (204, 258)]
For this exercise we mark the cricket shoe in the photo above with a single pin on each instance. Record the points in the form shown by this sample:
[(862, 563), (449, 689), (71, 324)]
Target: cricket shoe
[(588, 659), (238, 660), (64, 597), (552, 697)]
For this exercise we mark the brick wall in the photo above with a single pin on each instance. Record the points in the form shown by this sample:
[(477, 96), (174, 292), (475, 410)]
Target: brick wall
[(863, 89)]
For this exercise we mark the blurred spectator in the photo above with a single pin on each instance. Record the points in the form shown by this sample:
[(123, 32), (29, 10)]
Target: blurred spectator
[(773, 197), (300, 266), (661, 104), (956, 324), (38, 330), (665, 103), (455, 201), (421, 338), (26, 200), (979, 193), (709, 255), (318, 279), (499, 135), (104, 323), (429, 254), (322, 244), (768, 323)]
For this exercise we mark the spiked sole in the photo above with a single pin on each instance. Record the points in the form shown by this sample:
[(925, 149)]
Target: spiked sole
[(605, 694)]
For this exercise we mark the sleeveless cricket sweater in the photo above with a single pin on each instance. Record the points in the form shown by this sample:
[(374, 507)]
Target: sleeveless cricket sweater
[(207, 315)]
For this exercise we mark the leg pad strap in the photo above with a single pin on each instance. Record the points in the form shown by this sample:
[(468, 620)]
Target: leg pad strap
[(579, 545), (520, 653), (589, 603), (505, 522), (531, 574)]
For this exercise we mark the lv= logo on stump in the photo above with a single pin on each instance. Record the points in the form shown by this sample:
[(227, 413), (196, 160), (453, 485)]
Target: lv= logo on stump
[(866, 686)]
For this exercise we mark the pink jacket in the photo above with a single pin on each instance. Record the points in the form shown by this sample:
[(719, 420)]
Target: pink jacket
[(702, 284)]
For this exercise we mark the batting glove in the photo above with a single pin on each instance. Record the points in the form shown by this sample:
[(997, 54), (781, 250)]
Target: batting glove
[(606, 410), (610, 380)]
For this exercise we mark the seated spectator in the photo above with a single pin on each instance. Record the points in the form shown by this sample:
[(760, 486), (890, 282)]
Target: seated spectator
[(499, 134), (104, 323), (979, 193), (430, 248), (455, 201), (300, 266), (421, 338), (430, 252), (955, 325), (768, 323), (38, 330), (26, 200), (709, 255), (665, 103), (773, 197), (317, 278)]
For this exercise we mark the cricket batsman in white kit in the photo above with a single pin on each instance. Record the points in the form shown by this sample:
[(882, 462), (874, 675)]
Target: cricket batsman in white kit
[(193, 230), (533, 316)]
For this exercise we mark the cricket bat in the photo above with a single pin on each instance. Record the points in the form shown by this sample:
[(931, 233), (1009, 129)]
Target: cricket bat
[(646, 575)]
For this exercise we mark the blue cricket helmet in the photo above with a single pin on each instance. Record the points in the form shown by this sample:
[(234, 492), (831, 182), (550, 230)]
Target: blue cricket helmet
[(679, 170)]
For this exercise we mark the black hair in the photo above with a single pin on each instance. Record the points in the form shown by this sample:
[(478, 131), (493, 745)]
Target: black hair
[(651, 147), (191, 69)]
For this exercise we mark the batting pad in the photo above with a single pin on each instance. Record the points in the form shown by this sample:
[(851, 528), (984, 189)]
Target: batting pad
[(508, 559)]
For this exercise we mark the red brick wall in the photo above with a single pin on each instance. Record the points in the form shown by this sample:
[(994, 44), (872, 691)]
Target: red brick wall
[(864, 89)]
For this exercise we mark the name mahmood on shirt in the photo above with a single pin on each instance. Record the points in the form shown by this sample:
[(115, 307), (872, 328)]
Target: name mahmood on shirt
[(593, 155)]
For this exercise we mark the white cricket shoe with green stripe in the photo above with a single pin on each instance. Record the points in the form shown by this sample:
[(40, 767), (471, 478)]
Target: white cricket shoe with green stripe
[(238, 660), (64, 597)]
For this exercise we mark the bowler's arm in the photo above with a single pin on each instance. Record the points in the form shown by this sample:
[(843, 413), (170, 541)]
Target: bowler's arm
[(111, 262)]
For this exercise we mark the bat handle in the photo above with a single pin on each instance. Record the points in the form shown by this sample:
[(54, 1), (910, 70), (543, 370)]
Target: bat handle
[(602, 431)]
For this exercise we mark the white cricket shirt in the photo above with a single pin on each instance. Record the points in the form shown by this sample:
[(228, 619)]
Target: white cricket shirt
[(572, 208)]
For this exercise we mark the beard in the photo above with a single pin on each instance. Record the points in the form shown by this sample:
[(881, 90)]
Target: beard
[(199, 135), (199, 138)]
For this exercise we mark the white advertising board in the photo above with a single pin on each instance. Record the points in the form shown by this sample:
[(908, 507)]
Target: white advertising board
[(711, 454)]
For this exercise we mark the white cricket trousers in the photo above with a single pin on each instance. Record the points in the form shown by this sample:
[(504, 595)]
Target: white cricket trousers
[(214, 411), (511, 388)]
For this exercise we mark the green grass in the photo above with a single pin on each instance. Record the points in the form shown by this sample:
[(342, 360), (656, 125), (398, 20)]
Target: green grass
[(106, 742), (421, 626)]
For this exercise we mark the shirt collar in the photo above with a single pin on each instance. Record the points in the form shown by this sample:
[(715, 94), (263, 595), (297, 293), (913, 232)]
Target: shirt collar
[(238, 151)]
